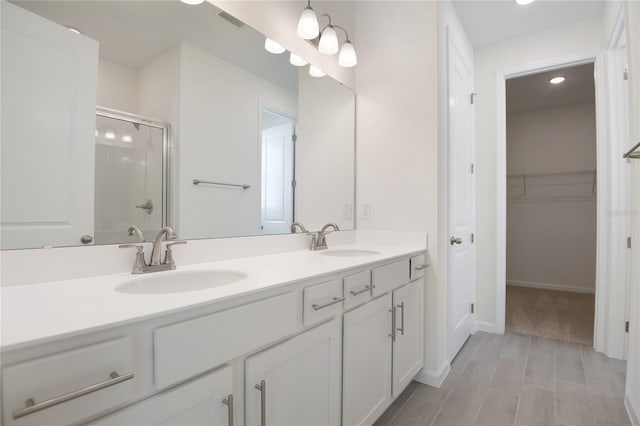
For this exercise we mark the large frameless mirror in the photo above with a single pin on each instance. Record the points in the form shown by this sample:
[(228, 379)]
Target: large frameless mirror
[(155, 113)]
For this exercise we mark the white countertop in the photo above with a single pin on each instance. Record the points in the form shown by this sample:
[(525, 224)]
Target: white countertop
[(38, 313)]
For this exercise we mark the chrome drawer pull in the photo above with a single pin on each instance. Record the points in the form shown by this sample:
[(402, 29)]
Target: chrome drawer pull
[(393, 324), (228, 401), (262, 387), (33, 407), (333, 302), (364, 290), (421, 267)]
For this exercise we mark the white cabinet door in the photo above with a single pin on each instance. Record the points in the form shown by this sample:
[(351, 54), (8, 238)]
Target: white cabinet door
[(299, 380), (407, 348), (48, 119), (366, 384), (199, 402)]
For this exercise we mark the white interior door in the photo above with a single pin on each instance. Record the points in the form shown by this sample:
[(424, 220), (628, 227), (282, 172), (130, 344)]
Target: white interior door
[(461, 202), (49, 77), (277, 179)]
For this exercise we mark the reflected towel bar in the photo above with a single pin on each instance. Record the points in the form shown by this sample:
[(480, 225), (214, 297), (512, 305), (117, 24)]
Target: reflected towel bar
[(198, 182), (633, 153)]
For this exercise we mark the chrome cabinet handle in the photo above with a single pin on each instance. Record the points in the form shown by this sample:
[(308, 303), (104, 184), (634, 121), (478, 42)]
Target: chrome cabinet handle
[(455, 240), (228, 401), (421, 267), (262, 387), (366, 288), (401, 329), (393, 324), (33, 407), (326, 305)]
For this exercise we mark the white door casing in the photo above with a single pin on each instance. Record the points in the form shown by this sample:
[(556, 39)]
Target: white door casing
[(277, 179), (461, 202), (49, 77)]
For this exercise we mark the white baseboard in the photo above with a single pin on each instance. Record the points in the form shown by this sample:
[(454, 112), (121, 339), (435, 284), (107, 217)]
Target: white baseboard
[(485, 326), (546, 286), (433, 378), (634, 415)]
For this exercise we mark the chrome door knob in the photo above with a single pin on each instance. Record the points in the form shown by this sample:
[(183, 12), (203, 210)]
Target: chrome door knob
[(455, 240), (86, 239)]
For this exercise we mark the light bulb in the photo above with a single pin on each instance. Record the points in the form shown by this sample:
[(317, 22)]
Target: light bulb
[(273, 47), (328, 41), (347, 57), (192, 2), (296, 60), (315, 71), (308, 27), (558, 79)]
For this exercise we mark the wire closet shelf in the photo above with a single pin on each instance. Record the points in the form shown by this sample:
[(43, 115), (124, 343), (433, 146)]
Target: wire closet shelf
[(575, 185)]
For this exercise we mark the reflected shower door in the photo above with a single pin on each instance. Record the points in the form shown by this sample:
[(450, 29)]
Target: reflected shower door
[(129, 180)]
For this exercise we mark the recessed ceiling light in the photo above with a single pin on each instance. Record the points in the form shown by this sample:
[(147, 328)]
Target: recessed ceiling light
[(192, 2), (523, 2), (557, 79), (74, 30)]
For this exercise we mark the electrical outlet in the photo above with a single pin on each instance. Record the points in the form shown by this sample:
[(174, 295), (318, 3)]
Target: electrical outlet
[(365, 211), (347, 211)]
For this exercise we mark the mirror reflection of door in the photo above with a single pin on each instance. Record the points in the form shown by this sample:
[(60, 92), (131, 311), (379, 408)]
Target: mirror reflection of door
[(128, 177), (277, 175)]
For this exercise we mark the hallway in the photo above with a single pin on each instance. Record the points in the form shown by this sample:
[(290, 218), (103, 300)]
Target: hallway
[(516, 379)]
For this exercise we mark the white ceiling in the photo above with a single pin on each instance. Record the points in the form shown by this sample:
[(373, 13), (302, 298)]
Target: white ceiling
[(132, 33), (487, 22), (534, 91)]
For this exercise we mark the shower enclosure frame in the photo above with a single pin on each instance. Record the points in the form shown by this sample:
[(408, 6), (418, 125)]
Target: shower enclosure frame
[(166, 150)]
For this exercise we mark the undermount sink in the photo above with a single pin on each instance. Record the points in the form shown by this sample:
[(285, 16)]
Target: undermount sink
[(180, 282), (349, 253)]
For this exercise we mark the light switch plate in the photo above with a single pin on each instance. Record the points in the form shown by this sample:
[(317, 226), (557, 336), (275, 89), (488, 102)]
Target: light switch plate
[(365, 211), (347, 211)]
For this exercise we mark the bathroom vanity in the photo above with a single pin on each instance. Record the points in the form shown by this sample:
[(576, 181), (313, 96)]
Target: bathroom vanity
[(329, 337)]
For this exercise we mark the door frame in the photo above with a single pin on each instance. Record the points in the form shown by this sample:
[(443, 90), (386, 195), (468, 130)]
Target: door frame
[(604, 150)]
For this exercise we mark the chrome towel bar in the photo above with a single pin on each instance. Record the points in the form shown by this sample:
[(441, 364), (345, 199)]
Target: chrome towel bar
[(198, 182), (633, 153), (33, 407)]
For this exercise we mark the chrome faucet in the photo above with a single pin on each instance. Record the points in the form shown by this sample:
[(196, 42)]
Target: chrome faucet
[(141, 266), (295, 225), (319, 240)]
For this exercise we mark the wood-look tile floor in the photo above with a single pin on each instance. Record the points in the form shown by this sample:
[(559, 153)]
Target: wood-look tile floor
[(555, 314), (515, 379)]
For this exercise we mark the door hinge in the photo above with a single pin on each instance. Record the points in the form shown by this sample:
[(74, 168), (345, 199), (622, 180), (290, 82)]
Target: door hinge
[(293, 183), (473, 308), (626, 326), (472, 168), (626, 73), (628, 242), (473, 238), (472, 98), (294, 137)]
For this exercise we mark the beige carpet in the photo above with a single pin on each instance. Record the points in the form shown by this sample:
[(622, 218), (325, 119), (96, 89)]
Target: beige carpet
[(548, 313)]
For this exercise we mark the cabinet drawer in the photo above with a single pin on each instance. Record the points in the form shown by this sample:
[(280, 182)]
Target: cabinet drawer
[(68, 386), (202, 401), (191, 347), (357, 289), (418, 266), (388, 277), (322, 301)]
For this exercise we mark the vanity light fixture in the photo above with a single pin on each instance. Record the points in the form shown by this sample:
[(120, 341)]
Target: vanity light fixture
[(296, 60), (316, 72), (127, 138), (328, 40), (524, 2), (308, 27), (192, 2), (273, 47), (110, 134), (557, 79)]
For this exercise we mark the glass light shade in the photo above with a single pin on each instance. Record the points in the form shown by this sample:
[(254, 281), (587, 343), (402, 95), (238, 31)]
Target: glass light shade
[(296, 60), (328, 41), (557, 80), (347, 57), (308, 27), (192, 2), (273, 47), (315, 72), (523, 2)]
